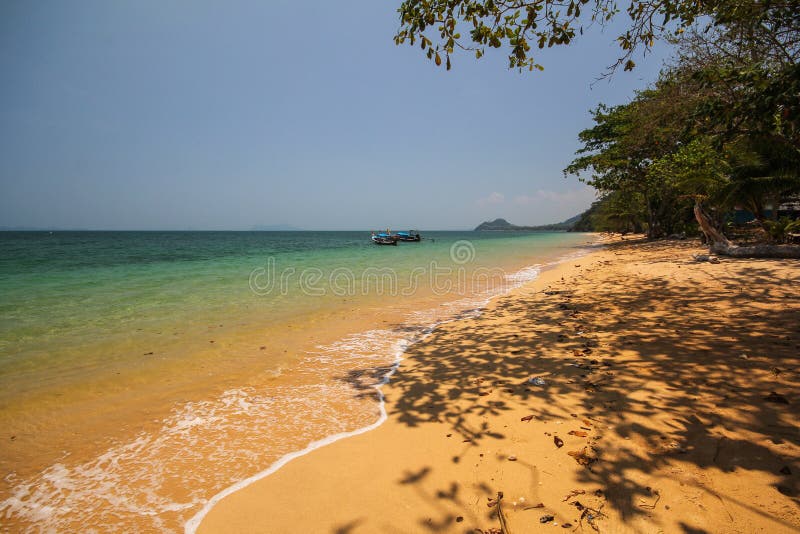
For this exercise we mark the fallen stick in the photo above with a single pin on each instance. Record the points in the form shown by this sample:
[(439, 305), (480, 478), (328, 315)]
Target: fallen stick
[(500, 515)]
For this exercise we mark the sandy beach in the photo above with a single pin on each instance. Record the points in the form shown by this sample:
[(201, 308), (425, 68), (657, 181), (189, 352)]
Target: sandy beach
[(632, 390)]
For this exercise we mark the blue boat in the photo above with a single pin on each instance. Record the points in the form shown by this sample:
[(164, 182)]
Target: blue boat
[(410, 236), (383, 239)]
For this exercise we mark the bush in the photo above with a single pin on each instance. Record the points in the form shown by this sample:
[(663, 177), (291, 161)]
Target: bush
[(779, 230)]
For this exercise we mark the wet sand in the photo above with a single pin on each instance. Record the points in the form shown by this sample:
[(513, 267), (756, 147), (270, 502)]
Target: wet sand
[(632, 390)]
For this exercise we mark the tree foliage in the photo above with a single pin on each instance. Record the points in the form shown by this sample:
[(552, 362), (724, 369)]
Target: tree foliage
[(521, 27), (721, 126), (662, 149)]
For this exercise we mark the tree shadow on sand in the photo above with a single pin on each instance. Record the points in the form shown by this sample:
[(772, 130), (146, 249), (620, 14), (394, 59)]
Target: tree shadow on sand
[(703, 370)]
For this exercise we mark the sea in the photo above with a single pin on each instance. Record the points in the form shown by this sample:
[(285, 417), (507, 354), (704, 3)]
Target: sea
[(145, 374)]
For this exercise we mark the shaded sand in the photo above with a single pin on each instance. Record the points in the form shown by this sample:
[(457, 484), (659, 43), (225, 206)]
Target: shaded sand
[(658, 377)]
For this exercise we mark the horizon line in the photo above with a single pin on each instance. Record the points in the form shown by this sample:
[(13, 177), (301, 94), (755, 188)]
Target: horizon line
[(45, 229)]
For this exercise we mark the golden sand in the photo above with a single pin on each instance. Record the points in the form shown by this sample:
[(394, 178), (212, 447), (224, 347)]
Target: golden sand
[(632, 390)]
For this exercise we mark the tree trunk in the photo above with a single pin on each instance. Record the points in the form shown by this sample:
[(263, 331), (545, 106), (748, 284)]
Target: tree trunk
[(719, 244), (651, 222)]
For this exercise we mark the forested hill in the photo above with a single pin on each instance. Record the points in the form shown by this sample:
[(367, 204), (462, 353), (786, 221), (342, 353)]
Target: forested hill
[(502, 225)]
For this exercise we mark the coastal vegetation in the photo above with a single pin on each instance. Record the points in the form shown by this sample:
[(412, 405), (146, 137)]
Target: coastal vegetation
[(718, 132)]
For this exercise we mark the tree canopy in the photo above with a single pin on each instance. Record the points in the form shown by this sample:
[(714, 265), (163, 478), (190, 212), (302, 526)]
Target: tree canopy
[(442, 26)]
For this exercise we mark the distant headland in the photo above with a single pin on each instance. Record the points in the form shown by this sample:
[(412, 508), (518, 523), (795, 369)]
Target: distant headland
[(502, 225)]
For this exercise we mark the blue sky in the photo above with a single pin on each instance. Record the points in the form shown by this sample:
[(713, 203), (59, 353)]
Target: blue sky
[(226, 115)]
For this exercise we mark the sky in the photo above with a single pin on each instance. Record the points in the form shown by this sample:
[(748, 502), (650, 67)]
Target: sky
[(197, 115)]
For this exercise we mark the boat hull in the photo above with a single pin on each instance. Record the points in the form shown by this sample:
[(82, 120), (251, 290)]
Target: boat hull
[(384, 241)]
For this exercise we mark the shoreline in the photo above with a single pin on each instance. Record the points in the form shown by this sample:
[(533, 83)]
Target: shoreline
[(195, 521), (412, 448)]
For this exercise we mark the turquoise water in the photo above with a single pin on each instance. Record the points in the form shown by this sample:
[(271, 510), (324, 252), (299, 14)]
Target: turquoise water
[(173, 351), (77, 288)]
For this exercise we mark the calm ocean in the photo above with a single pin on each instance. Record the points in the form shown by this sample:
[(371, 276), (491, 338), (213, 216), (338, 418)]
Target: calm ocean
[(141, 373)]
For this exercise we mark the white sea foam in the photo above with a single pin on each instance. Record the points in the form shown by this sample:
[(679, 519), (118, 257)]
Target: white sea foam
[(525, 275), (194, 522)]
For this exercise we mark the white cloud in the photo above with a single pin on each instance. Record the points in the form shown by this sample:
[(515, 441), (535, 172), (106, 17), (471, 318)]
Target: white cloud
[(573, 197), (493, 199)]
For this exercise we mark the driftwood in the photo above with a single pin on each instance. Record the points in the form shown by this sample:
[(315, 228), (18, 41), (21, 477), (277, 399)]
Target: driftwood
[(719, 244)]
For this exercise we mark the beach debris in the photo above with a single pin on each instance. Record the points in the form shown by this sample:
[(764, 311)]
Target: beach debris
[(537, 381), (459, 519), (572, 494), (535, 506), (262, 347), (579, 433), (211, 341), (582, 456), (527, 418), (496, 504), (590, 514), (784, 470), (700, 257), (566, 525), (776, 398), (558, 441), (546, 518), (713, 259), (148, 353), (651, 506), (512, 458)]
